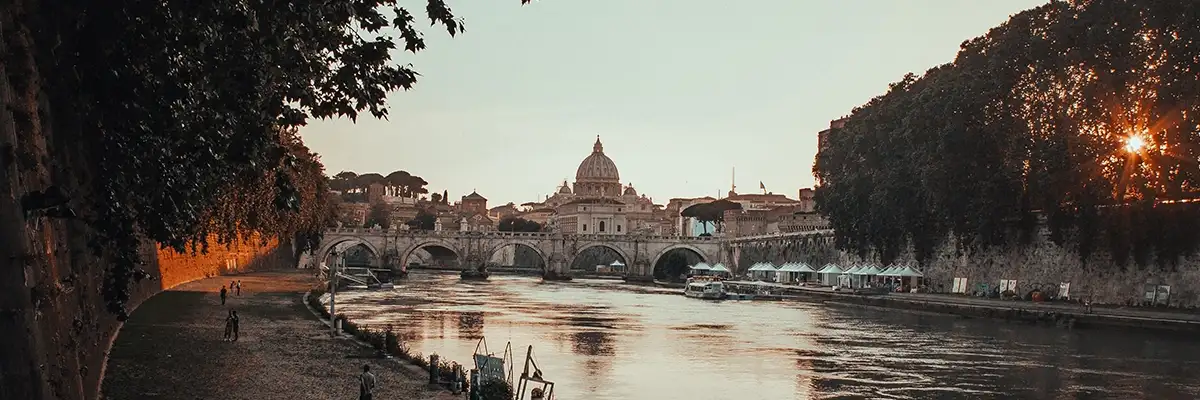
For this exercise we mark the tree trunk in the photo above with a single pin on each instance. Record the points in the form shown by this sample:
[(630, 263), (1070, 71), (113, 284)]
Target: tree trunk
[(22, 150)]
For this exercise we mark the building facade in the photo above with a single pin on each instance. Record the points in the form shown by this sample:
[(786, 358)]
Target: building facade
[(597, 202)]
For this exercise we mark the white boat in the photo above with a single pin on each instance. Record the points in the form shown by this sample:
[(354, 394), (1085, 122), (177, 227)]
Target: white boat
[(704, 288)]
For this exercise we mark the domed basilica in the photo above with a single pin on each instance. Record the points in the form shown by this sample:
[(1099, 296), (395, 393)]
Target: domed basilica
[(599, 204)]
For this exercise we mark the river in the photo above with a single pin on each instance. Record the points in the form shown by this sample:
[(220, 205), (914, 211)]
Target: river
[(604, 340)]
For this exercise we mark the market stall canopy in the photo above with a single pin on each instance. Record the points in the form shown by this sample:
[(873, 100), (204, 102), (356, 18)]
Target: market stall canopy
[(805, 268), (887, 271), (869, 270), (763, 267), (701, 267), (617, 263), (830, 269), (908, 272), (790, 267), (720, 268), (853, 270)]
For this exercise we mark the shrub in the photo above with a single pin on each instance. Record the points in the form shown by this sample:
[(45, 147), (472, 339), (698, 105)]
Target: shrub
[(496, 389)]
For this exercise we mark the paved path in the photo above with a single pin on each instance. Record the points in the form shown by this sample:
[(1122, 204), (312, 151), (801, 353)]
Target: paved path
[(171, 348)]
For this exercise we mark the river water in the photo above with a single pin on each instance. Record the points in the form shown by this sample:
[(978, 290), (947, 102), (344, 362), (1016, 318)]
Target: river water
[(604, 340)]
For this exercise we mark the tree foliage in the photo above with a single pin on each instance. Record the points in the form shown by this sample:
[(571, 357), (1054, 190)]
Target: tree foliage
[(425, 220), (1036, 118), (379, 214), (398, 183), (710, 213), (518, 224), (186, 110)]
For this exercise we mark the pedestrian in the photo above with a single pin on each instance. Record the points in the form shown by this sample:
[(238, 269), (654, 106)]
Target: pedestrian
[(366, 384), (228, 325), (233, 314), (239, 287), (223, 292)]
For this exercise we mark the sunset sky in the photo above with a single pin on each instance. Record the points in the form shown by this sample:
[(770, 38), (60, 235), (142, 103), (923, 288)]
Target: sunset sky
[(680, 91)]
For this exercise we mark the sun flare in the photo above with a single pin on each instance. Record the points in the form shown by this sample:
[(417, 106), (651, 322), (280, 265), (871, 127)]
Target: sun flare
[(1134, 144)]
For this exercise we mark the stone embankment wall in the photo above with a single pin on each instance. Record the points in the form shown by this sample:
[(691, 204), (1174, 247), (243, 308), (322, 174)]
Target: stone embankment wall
[(1041, 264)]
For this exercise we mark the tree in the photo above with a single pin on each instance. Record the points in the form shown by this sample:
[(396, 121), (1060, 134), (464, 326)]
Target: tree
[(380, 214), (712, 212), (446, 196), (518, 224), (424, 220), (395, 181), (435, 198), (165, 123), (1084, 112)]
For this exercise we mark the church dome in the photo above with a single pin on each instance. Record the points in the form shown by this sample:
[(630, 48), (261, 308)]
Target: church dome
[(597, 167), (630, 191)]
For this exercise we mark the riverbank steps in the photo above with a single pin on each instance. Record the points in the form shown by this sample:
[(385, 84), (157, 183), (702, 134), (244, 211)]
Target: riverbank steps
[(1062, 314), (172, 348)]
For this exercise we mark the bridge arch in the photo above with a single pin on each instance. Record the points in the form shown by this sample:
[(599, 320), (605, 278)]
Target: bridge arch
[(406, 256), (620, 252), (331, 243), (662, 256), (491, 252)]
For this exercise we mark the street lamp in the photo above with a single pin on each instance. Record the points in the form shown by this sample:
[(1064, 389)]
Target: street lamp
[(1134, 144)]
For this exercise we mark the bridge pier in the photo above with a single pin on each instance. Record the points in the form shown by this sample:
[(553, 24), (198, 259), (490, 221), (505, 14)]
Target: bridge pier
[(558, 268)]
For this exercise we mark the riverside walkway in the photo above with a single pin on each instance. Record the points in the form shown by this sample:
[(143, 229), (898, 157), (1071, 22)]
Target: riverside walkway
[(172, 348), (1099, 316)]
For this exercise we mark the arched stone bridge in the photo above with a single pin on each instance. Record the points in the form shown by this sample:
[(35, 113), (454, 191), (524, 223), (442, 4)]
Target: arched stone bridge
[(557, 250)]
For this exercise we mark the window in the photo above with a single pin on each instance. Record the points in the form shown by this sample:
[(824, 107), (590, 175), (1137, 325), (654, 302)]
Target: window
[(585, 227), (618, 228), (601, 226), (618, 210)]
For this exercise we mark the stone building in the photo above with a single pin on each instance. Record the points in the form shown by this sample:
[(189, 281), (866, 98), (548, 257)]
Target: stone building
[(597, 198), (765, 214)]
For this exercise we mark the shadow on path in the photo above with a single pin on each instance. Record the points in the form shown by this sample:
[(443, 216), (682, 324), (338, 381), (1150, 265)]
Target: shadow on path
[(172, 348)]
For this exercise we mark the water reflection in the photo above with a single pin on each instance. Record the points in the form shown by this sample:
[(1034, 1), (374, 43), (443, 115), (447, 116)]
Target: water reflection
[(470, 325), (600, 340)]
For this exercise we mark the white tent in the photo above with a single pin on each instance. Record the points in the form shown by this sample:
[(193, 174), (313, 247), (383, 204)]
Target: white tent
[(829, 274), (853, 270), (868, 271), (617, 263), (720, 269), (762, 272), (701, 267), (909, 272), (789, 272), (887, 271)]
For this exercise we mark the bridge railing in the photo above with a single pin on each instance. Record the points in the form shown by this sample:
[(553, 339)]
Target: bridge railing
[(514, 235), (782, 235)]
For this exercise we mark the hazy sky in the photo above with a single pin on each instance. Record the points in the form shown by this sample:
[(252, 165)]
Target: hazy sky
[(680, 91)]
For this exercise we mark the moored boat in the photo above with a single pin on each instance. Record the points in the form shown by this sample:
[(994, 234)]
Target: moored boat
[(707, 288)]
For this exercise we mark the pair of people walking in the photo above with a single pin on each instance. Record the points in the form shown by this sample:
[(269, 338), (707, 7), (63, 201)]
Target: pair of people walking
[(231, 326), (236, 287)]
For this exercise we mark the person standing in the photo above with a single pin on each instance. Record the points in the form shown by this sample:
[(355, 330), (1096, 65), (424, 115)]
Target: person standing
[(234, 315), (228, 325), (239, 288), (223, 292), (366, 384)]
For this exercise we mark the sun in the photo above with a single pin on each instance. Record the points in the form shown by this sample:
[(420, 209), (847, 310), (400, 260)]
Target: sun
[(1134, 144)]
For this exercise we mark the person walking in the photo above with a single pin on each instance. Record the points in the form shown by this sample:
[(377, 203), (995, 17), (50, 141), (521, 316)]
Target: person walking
[(366, 384), (223, 292), (233, 314), (228, 325), (239, 288)]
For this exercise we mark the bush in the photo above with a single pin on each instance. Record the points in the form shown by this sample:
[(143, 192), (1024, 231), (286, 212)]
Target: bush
[(496, 389)]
